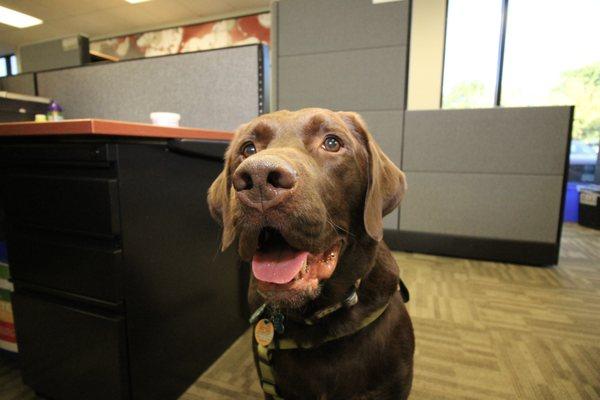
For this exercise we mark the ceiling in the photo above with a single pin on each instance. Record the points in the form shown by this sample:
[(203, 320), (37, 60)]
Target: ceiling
[(105, 18)]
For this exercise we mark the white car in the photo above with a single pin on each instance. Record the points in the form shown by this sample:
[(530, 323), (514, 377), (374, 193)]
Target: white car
[(582, 153), (582, 162)]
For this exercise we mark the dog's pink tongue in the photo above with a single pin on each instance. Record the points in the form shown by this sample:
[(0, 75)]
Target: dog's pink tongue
[(278, 266)]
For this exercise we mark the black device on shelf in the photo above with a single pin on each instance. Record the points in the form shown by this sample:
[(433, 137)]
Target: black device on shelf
[(16, 107)]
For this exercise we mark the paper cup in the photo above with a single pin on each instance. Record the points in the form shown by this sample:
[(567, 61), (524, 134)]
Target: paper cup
[(165, 118)]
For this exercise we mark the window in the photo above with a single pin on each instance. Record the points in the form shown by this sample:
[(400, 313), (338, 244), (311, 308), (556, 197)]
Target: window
[(551, 56), (8, 65), (554, 59), (471, 56)]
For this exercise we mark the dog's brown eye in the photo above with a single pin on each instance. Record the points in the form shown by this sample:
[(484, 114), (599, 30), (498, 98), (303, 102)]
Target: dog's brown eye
[(248, 149), (332, 143)]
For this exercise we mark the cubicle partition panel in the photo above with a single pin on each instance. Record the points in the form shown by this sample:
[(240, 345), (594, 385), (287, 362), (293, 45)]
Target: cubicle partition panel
[(218, 89), (346, 55), (71, 51), (22, 84), (485, 183)]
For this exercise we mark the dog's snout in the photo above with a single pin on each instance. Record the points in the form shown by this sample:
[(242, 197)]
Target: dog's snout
[(242, 180), (264, 182), (282, 178)]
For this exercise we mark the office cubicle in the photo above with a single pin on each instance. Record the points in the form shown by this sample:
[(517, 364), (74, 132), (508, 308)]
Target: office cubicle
[(217, 89), (484, 183)]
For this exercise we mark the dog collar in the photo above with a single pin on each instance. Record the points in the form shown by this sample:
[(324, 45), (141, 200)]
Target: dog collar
[(277, 318)]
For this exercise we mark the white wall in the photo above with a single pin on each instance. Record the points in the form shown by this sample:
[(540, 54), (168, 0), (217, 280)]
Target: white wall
[(426, 60)]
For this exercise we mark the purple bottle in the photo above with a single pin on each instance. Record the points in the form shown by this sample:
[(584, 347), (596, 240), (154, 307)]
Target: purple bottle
[(54, 111)]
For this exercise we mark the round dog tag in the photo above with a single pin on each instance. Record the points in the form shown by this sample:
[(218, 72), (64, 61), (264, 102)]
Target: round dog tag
[(264, 332)]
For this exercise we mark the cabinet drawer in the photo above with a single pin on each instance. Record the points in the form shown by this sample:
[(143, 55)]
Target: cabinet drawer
[(79, 154), (70, 354), (87, 268), (77, 204)]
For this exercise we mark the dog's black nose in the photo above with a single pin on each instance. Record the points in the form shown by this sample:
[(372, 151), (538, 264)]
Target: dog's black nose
[(265, 181)]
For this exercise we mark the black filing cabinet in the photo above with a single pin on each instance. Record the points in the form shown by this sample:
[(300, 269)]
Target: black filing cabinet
[(120, 291)]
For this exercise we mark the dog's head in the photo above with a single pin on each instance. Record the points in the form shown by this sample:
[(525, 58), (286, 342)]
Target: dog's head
[(298, 190)]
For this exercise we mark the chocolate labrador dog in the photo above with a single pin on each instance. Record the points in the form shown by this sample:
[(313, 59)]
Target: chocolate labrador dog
[(304, 193)]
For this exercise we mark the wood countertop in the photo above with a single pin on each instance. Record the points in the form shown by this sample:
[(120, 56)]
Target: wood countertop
[(104, 127)]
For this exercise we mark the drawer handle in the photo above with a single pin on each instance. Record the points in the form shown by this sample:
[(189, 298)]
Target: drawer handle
[(206, 149)]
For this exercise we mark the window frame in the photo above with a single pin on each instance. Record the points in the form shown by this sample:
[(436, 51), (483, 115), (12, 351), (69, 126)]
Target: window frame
[(500, 59)]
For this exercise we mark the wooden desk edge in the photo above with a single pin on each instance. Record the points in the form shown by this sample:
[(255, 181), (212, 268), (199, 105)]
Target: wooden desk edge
[(107, 128)]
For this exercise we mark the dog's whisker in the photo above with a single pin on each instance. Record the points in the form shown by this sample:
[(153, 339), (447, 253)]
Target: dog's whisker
[(336, 227)]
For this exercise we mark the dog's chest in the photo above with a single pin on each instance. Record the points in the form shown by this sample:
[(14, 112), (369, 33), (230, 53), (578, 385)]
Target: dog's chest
[(338, 370)]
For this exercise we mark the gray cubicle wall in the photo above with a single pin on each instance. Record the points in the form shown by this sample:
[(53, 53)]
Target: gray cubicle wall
[(22, 83), (485, 183), (216, 89), (344, 55), (55, 53)]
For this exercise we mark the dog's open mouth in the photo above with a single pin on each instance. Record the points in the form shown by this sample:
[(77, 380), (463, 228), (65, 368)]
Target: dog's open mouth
[(279, 266)]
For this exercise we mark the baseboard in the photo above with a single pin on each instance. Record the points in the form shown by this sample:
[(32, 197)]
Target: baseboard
[(510, 251)]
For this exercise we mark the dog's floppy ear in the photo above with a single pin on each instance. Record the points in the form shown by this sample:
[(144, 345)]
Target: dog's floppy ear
[(218, 204), (386, 183)]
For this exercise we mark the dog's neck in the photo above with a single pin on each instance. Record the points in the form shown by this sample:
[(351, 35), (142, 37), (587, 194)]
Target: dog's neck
[(361, 270), (312, 318), (359, 262)]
